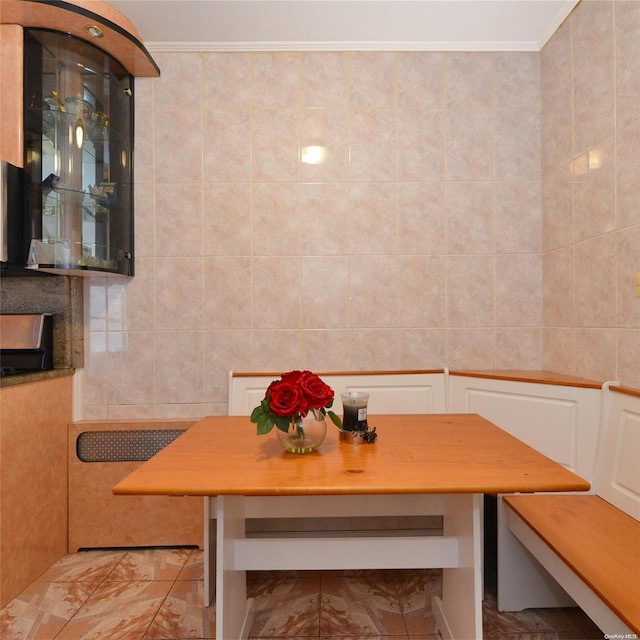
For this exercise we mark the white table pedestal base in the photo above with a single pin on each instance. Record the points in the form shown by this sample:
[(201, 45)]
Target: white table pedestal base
[(229, 554)]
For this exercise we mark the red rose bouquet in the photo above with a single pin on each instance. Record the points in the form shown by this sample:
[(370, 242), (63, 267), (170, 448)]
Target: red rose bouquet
[(291, 398)]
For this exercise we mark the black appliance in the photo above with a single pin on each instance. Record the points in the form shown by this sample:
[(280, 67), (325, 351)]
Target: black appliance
[(15, 232)]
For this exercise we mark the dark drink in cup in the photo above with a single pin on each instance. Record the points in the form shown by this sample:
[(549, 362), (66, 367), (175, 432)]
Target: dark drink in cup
[(354, 404)]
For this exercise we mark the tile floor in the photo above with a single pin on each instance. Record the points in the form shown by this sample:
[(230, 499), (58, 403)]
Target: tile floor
[(156, 594)]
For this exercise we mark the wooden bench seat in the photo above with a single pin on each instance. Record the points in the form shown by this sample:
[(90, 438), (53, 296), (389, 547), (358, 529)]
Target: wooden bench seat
[(584, 549), (599, 542)]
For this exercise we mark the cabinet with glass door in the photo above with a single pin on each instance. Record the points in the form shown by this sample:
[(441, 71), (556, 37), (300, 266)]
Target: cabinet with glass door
[(78, 156)]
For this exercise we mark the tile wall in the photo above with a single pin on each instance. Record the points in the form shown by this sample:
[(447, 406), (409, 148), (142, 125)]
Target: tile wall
[(590, 79), (416, 245), (419, 243)]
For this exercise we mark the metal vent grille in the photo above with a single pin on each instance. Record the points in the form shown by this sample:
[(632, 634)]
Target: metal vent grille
[(123, 446)]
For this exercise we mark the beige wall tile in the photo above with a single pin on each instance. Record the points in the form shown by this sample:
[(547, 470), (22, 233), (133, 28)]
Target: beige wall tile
[(227, 219), (275, 80), (275, 292), (275, 219), (274, 145), (596, 353), (226, 80), (325, 292), (372, 223), (144, 132), (470, 80), (627, 51), (595, 278), (179, 206), (374, 291), (372, 77), (327, 349), (224, 350), (627, 254), (324, 80), (227, 285), (471, 303), (324, 218), (421, 144), (471, 348), (178, 294), (327, 128), (518, 223), (376, 348), (519, 297), (144, 227), (470, 144), (594, 191), (179, 379), (421, 291), (422, 348), (558, 288), (559, 349), (519, 348), (628, 353), (373, 143), (557, 219), (517, 80), (593, 74), (421, 217), (517, 144), (470, 217), (178, 144), (276, 350), (227, 147), (131, 372), (628, 175), (557, 102), (421, 79)]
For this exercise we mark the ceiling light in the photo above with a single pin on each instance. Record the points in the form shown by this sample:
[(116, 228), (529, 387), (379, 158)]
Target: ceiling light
[(94, 30)]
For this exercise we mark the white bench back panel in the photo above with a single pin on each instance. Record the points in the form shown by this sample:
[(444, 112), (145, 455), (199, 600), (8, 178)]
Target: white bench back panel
[(619, 482), (389, 392), (561, 422)]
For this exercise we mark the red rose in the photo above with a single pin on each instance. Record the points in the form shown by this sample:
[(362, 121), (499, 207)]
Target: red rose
[(317, 393), (293, 377), (287, 399)]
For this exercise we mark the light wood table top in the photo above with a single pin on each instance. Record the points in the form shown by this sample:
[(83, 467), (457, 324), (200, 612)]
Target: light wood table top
[(414, 454)]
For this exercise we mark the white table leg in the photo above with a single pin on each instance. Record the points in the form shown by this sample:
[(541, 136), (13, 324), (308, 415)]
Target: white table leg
[(209, 550), (459, 613), (233, 612)]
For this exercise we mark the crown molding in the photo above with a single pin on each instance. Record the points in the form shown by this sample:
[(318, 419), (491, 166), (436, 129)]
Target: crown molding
[(205, 47)]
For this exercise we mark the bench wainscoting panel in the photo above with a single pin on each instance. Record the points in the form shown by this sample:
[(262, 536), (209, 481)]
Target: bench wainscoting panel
[(561, 421)]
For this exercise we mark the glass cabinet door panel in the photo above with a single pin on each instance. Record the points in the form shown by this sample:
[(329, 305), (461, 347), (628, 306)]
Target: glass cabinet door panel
[(78, 146)]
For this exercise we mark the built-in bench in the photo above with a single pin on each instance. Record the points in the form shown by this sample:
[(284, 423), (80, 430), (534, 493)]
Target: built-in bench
[(558, 415), (584, 549)]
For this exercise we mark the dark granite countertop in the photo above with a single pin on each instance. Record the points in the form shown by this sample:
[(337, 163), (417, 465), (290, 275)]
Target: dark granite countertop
[(23, 378)]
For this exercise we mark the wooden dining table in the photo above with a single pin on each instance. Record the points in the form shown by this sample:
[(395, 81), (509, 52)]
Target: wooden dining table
[(445, 462)]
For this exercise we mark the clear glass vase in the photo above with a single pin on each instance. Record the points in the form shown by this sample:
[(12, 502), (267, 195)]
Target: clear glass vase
[(304, 435)]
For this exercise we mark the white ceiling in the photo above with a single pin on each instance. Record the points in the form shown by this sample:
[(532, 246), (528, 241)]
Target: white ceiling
[(345, 25)]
